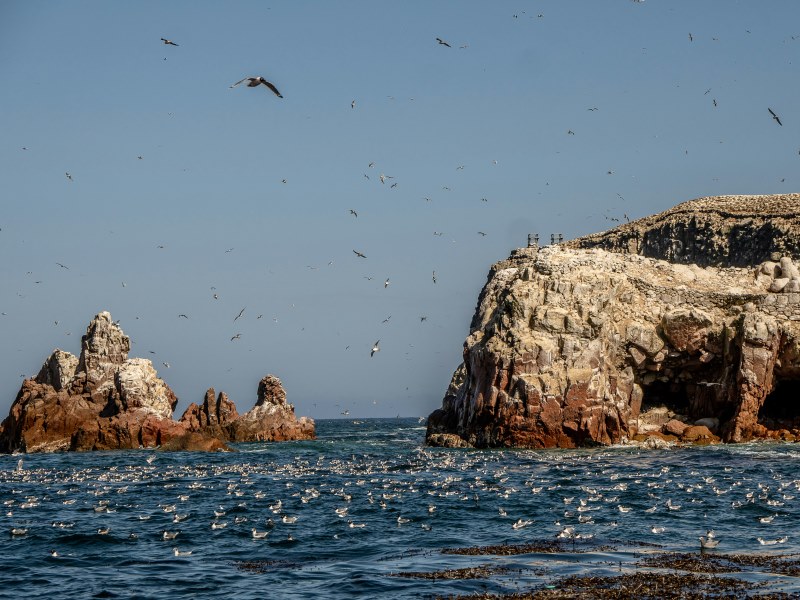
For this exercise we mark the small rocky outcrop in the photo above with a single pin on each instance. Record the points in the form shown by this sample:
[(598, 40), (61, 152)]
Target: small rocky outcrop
[(272, 419), (214, 416), (103, 400), (569, 343)]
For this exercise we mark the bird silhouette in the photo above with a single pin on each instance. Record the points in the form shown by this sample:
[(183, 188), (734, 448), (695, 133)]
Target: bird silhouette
[(256, 81), (443, 43), (168, 42), (375, 348), (359, 254), (774, 117)]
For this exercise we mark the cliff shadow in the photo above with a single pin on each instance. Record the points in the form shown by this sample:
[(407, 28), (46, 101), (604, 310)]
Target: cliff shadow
[(781, 408), (671, 395)]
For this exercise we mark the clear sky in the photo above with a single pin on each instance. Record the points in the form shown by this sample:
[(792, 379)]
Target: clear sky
[(550, 116)]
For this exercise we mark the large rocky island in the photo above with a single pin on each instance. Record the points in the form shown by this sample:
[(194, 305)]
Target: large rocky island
[(103, 400), (680, 326)]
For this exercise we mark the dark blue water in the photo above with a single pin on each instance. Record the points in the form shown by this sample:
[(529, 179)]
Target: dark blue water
[(379, 472)]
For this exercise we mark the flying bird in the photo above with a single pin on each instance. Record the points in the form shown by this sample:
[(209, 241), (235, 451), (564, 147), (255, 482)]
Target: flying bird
[(183, 315), (236, 337), (70, 176), (375, 348), (168, 42), (386, 283), (774, 117), (63, 266), (359, 254), (443, 43), (256, 81), (241, 312), (434, 277), (354, 213)]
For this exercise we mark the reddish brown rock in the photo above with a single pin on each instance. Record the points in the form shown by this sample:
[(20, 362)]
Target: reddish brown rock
[(571, 342), (699, 433), (196, 442), (213, 416), (104, 400), (272, 419), (674, 427), (760, 340)]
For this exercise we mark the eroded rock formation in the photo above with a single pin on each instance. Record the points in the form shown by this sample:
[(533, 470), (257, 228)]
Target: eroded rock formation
[(103, 400), (569, 342), (272, 418)]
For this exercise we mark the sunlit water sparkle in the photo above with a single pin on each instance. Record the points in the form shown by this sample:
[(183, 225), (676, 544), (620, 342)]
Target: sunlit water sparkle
[(379, 471)]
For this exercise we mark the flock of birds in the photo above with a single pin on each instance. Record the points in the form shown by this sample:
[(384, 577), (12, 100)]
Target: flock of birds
[(258, 81), (294, 498)]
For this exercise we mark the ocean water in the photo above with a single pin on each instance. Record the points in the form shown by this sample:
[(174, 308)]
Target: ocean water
[(104, 514)]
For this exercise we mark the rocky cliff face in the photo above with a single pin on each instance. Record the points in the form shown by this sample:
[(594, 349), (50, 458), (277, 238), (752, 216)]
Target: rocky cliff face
[(570, 342), (103, 400)]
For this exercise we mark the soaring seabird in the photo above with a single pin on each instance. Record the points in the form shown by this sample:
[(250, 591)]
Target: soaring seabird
[(359, 254), (168, 42), (375, 348), (443, 43), (775, 117), (256, 81)]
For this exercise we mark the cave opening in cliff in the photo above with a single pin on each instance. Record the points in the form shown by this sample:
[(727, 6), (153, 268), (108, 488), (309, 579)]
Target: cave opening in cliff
[(665, 393), (782, 405)]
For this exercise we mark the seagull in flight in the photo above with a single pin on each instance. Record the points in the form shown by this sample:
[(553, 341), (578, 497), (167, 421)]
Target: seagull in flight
[(359, 254), (236, 337), (443, 43), (774, 117), (241, 312), (434, 277), (168, 42), (70, 176), (375, 348), (386, 283), (354, 213), (256, 81), (63, 266)]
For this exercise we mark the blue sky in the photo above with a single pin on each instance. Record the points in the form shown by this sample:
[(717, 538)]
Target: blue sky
[(250, 194)]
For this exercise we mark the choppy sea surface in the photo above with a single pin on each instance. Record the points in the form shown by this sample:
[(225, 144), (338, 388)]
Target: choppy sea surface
[(347, 514)]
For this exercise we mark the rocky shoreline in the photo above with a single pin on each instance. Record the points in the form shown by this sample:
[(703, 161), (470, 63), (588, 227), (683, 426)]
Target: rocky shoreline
[(103, 400), (693, 312)]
